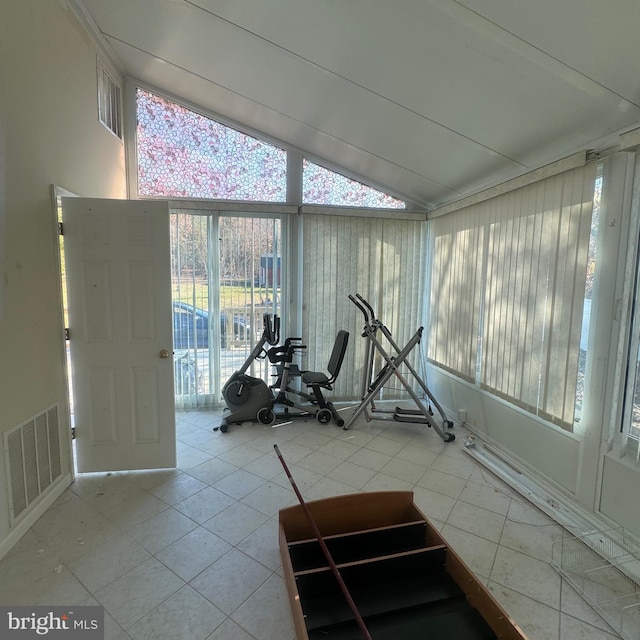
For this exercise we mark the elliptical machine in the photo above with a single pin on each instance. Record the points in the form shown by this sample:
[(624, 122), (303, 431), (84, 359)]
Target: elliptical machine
[(373, 384), (246, 397)]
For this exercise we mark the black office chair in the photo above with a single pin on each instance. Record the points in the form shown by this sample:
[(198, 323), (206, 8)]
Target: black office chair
[(317, 381)]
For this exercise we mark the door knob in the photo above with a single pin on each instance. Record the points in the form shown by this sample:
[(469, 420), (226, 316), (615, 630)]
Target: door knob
[(164, 354)]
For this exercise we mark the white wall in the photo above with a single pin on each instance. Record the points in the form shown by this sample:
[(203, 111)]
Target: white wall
[(49, 134), (546, 450), (620, 485)]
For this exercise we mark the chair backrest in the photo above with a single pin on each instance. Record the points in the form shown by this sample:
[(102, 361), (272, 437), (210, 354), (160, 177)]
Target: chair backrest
[(337, 353)]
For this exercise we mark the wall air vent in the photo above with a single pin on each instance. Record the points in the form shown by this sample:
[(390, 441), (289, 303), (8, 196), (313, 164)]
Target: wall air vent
[(33, 459)]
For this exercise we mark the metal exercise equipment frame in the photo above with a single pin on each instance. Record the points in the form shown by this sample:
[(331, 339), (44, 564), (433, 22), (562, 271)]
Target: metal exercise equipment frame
[(287, 374), (372, 385)]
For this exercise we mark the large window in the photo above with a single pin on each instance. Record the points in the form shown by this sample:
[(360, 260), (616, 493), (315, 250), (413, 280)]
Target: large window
[(630, 427), (507, 292), (227, 272)]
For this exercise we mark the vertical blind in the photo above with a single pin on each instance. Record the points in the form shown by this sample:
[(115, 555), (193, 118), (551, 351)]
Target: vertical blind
[(457, 261), (382, 260), (507, 291)]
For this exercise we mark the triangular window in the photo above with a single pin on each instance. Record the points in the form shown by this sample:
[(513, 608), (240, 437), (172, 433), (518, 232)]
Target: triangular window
[(182, 154), (322, 186)]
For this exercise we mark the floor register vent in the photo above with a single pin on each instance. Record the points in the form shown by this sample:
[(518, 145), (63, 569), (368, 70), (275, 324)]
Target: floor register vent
[(33, 459)]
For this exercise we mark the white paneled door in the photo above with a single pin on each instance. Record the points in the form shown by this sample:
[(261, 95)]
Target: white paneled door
[(119, 296)]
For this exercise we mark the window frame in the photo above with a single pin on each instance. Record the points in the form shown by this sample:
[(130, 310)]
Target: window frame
[(294, 170)]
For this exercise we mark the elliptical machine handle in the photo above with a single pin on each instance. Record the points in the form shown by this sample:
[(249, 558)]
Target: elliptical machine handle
[(373, 315), (361, 307), (288, 343)]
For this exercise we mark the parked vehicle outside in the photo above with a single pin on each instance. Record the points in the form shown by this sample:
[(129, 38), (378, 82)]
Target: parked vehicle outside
[(191, 327)]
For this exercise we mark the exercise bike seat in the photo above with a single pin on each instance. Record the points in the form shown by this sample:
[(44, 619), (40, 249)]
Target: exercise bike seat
[(320, 379), (315, 377)]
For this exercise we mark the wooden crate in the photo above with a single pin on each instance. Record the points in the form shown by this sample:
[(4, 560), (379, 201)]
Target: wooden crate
[(405, 580)]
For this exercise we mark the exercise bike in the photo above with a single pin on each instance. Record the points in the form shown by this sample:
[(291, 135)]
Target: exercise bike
[(246, 397), (317, 406)]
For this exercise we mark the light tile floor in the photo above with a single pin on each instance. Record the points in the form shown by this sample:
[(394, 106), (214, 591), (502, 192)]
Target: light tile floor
[(192, 552)]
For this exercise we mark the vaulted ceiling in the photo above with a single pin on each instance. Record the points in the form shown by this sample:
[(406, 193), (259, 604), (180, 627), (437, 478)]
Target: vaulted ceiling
[(431, 100)]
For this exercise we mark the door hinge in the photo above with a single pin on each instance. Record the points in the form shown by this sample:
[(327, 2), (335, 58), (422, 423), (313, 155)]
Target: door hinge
[(60, 229), (66, 334)]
